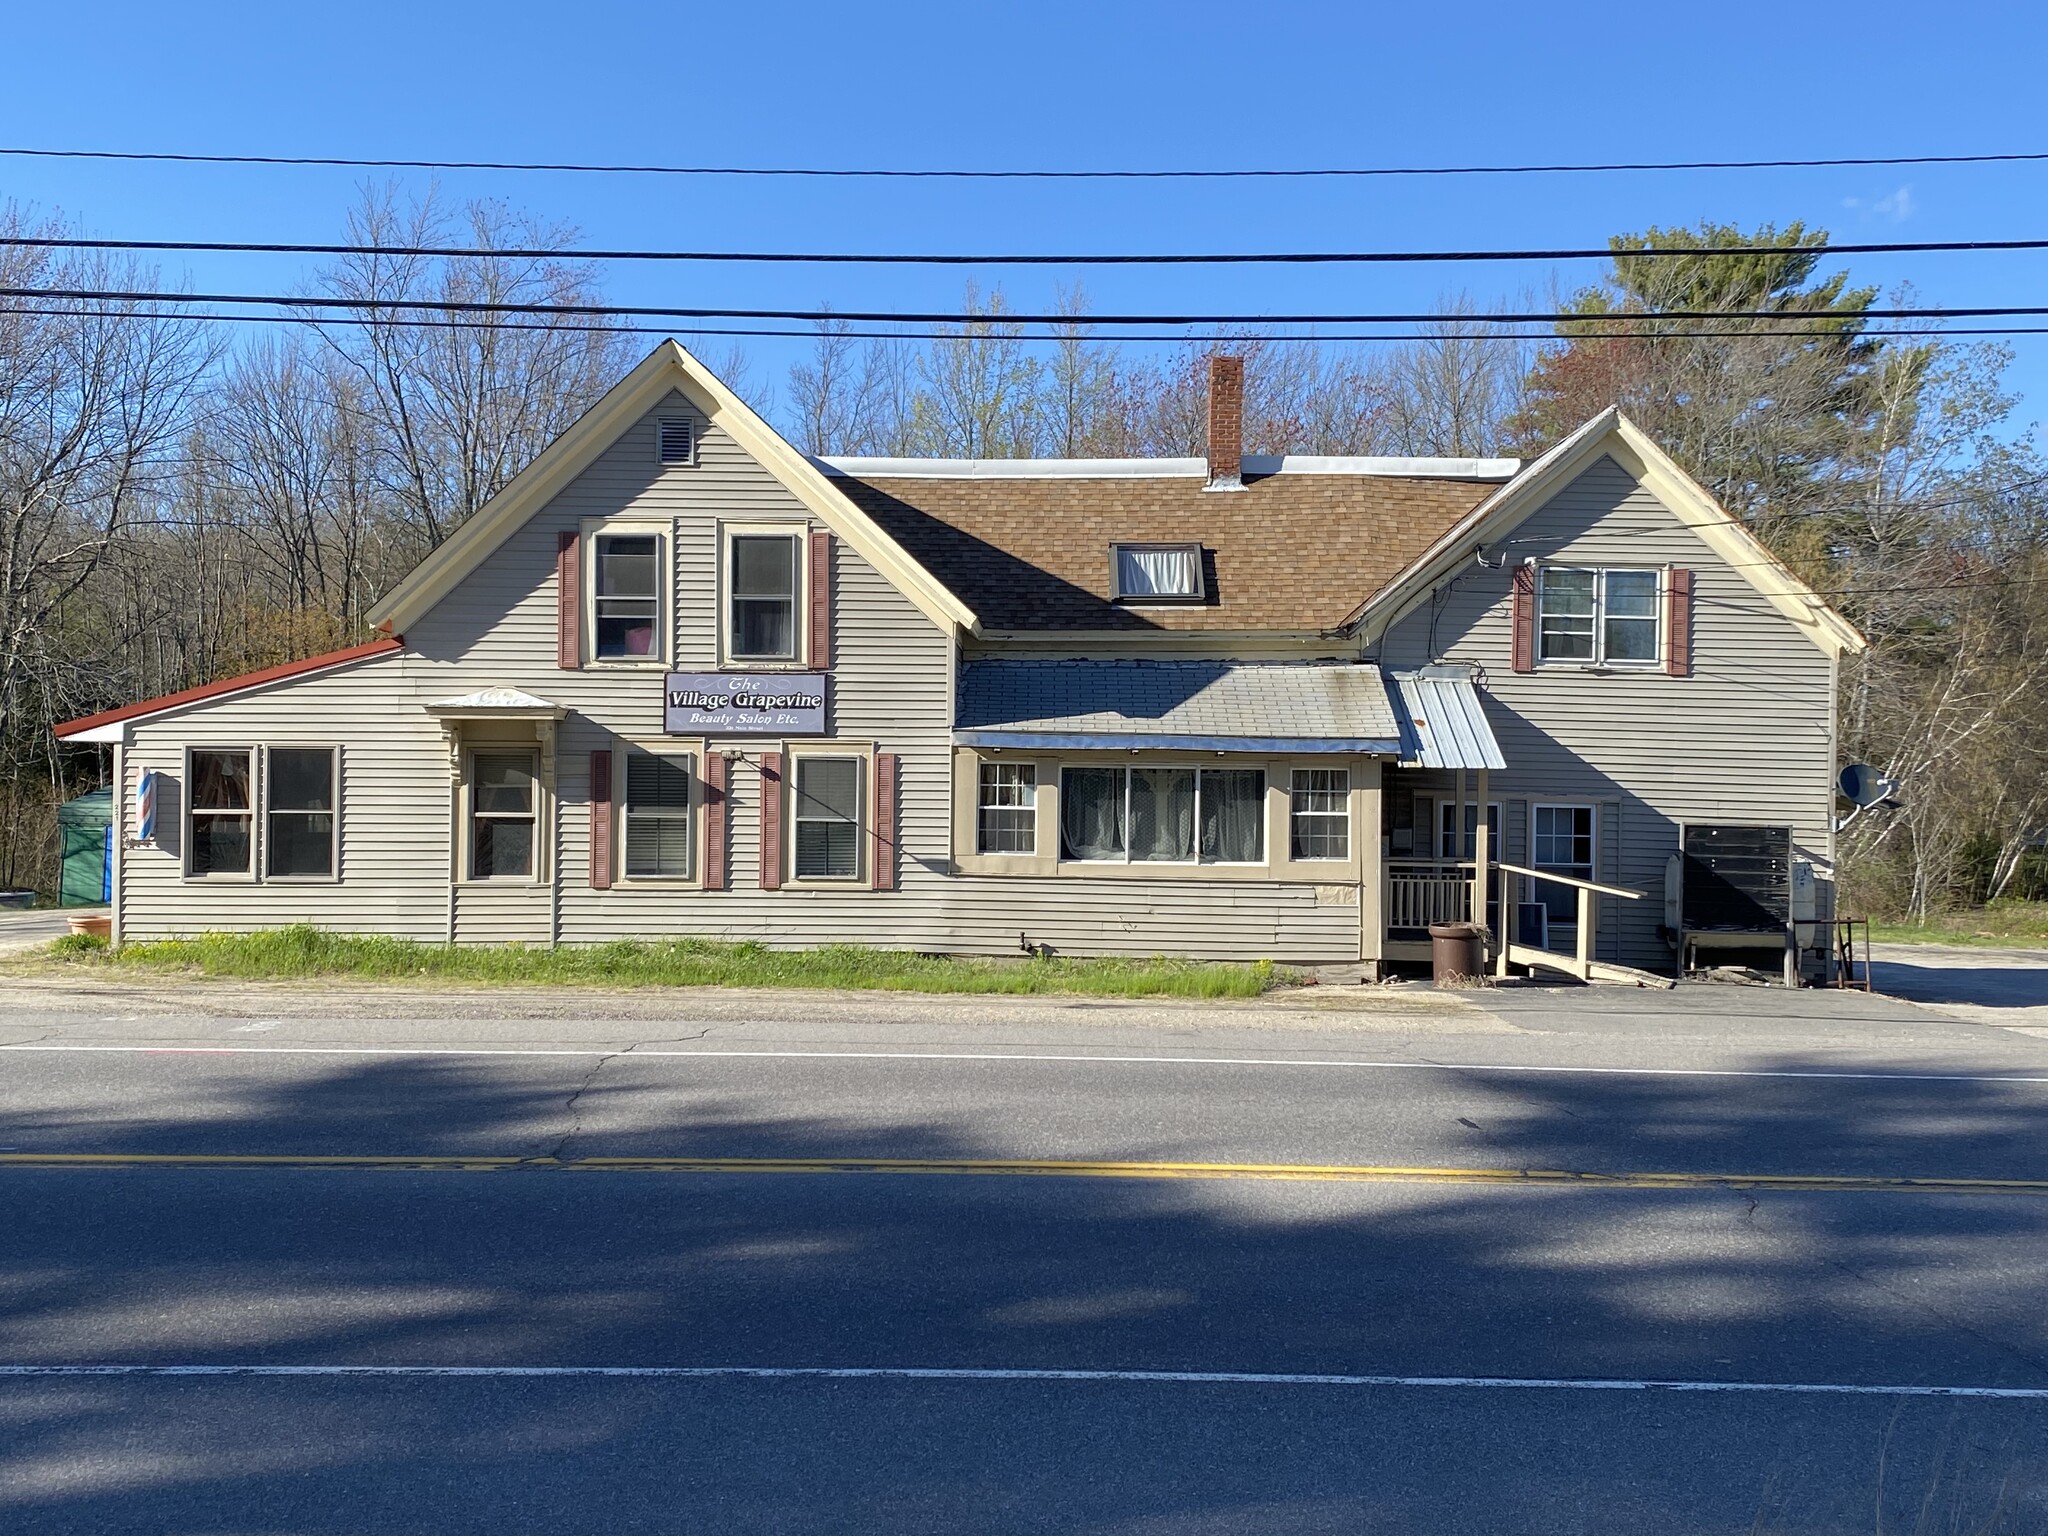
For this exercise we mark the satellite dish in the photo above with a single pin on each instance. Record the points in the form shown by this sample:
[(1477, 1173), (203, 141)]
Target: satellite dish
[(1863, 785)]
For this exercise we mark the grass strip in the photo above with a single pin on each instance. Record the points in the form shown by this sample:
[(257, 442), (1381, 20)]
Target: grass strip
[(2003, 924), (302, 951)]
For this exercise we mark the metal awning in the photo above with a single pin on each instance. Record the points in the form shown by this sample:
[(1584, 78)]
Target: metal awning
[(1443, 720), (1199, 706)]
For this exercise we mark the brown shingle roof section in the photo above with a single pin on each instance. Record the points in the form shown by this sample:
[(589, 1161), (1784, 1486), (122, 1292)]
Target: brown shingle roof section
[(1289, 552)]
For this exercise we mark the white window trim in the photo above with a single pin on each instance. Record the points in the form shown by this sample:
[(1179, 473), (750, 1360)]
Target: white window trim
[(670, 746), (1335, 859), (186, 811), (664, 533), (1155, 599), (541, 816), (1197, 862), (1654, 662), (333, 876), (1592, 809), (863, 753), (1037, 800), (800, 616)]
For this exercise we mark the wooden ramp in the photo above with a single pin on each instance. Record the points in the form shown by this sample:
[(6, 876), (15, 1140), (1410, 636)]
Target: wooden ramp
[(1597, 972)]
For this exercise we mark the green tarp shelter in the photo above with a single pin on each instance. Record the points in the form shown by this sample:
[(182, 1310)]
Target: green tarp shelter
[(85, 837)]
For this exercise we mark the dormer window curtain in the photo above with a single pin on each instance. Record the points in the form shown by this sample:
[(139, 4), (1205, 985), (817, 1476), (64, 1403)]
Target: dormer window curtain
[(1156, 573)]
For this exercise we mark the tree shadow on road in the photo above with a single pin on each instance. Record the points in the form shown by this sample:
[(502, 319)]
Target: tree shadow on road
[(528, 1267)]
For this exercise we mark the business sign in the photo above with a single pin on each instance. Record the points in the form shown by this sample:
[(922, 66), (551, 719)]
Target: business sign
[(744, 704)]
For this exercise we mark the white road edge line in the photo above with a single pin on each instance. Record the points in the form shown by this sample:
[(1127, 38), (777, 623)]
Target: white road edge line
[(1195, 1061), (972, 1373)]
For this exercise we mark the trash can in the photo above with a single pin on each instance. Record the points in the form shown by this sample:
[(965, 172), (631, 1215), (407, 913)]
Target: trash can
[(1457, 952)]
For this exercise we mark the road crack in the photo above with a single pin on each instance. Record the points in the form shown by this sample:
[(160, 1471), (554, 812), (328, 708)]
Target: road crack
[(560, 1153)]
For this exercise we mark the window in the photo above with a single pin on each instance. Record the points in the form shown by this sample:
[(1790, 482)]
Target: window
[(502, 816), (762, 571), (298, 805), (1008, 808), (657, 817), (674, 441), (1163, 815), (220, 824), (827, 818), (1319, 814), (1598, 617), (626, 595), (1451, 846), (1157, 573), (1561, 841)]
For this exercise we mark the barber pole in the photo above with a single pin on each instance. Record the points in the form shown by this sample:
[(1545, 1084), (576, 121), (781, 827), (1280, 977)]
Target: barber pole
[(145, 807)]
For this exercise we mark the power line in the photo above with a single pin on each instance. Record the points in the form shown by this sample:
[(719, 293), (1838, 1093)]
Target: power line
[(957, 174), (387, 322), (951, 259), (922, 317)]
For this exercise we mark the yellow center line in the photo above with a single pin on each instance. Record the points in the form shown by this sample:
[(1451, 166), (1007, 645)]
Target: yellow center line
[(1080, 1169)]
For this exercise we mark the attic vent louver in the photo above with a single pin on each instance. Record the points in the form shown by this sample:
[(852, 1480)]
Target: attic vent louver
[(676, 442)]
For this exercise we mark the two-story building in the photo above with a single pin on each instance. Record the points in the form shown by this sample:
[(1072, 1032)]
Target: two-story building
[(678, 678)]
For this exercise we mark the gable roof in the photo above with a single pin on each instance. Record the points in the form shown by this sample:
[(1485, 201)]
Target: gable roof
[(1613, 435), (1295, 550), (110, 724), (668, 367)]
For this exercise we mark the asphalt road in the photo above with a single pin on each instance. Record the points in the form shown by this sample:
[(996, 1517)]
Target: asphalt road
[(1113, 1353)]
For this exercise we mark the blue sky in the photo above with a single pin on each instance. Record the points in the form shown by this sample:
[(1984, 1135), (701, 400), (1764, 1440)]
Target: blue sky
[(1061, 85)]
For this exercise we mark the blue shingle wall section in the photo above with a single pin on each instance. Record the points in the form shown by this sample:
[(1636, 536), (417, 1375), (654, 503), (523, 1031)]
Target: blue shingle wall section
[(1176, 698)]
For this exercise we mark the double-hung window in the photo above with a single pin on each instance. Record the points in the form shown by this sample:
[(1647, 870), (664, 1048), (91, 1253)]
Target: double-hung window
[(1319, 814), (220, 825), (1007, 808), (298, 813), (657, 817), (626, 596), (1163, 815), (826, 818), (1597, 617), (503, 816), (761, 588)]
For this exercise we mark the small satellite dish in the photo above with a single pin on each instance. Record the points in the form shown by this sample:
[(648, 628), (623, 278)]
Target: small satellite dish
[(1863, 785)]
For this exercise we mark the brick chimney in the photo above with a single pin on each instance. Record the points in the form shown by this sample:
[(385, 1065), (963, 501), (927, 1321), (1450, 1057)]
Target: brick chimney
[(1226, 424)]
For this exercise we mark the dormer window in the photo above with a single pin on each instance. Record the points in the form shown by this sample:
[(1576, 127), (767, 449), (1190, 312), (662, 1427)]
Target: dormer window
[(1157, 573)]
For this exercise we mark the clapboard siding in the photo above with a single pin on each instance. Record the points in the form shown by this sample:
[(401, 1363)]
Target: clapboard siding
[(394, 800), (1748, 737)]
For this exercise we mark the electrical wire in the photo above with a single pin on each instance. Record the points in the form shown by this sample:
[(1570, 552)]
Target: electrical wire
[(947, 317), (388, 322), (961, 174), (879, 258)]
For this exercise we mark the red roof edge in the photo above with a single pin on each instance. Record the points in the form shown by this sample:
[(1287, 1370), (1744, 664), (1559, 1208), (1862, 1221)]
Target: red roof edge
[(226, 685)]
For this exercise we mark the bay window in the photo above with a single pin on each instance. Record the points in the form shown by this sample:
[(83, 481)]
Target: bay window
[(1163, 815)]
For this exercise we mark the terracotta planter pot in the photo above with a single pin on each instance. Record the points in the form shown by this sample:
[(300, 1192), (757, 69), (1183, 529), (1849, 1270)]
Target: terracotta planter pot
[(99, 924)]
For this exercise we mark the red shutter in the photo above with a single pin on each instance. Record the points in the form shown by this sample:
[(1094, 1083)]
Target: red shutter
[(1678, 623), (600, 821), (821, 601), (1523, 647), (884, 875), (771, 821), (568, 601), (714, 821)]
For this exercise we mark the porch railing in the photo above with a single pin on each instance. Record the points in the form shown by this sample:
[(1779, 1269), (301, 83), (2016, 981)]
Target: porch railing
[(1424, 891)]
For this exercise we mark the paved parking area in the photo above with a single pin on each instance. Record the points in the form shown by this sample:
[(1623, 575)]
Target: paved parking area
[(22, 931), (2005, 987)]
